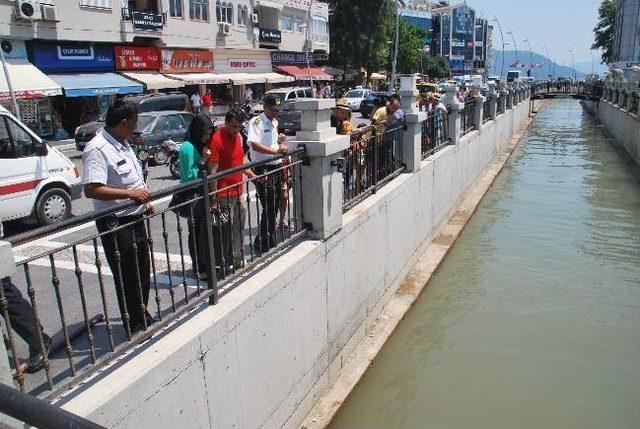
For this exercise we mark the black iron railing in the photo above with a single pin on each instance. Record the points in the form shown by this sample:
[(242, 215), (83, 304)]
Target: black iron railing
[(625, 100), (435, 134), (468, 111), (101, 293), (372, 160), (486, 110), (634, 100), (500, 109)]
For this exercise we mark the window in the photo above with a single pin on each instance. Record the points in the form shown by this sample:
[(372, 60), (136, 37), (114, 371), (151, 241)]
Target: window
[(175, 8), (15, 142), (320, 30), (297, 25), (224, 12), (242, 15), (199, 10), (286, 23), (97, 4), (174, 123)]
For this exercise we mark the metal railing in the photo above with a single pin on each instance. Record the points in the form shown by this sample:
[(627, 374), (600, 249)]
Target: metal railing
[(486, 110), (634, 100), (435, 134), (372, 160), (500, 109), (38, 413), (625, 100), (97, 296), (467, 117)]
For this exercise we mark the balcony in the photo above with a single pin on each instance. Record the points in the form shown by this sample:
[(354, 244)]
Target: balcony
[(144, 20)]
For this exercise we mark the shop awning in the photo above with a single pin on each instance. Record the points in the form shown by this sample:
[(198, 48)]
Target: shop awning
[(27, 81), (153, 80), (200, 78), (94, 84), (251, 78), (270, 4), (302, 73)]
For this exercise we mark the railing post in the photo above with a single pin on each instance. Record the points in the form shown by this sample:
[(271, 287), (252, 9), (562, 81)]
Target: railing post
[(620, 100), (455, 111), (321, 182), (7, 268), (493, 100), (504, 93), (510, 94), (478, 110), (412, 137)]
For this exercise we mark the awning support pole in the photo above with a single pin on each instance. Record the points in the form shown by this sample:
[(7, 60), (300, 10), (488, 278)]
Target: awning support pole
[(13, 95)]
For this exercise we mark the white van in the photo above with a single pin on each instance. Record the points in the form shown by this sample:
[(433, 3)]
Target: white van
[(36, 181)]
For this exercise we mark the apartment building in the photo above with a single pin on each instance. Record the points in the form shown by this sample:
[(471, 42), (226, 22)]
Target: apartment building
[(67, 59), (626, 39)]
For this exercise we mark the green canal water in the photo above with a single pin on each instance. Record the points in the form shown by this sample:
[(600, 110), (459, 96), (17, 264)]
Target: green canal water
[(533, 319)]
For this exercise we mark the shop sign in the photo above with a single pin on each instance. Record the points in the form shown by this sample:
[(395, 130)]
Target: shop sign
[(137, 58), (146, 21), (289, 57), (73, 57), (270, 36), (244, 64), (186, 61)]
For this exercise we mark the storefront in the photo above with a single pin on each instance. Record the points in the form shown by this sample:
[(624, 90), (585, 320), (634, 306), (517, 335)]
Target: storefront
[(298, 66), (142, 64), (32, 89), (85, 71)]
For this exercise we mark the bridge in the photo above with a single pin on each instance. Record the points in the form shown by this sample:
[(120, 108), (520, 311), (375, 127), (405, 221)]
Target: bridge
[(576, 90)]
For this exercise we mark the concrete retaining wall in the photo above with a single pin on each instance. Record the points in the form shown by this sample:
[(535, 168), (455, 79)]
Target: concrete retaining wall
[(269, 349), (622, 125)]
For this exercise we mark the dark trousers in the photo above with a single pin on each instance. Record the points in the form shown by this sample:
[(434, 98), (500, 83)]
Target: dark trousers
[(269, 195), (132, 286), (232, 233), (198, 239), (21, 316)]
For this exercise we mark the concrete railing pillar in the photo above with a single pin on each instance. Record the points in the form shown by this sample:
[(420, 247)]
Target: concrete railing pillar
[(493, 100), (502, 89), (455, 115), (412, 137), (478, 110), (510, 96), (620, 100), (321, 185)]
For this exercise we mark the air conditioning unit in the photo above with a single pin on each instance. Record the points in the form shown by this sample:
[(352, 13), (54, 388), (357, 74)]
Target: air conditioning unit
[(223, 29), (28, 9), (254, 18), (49, 12)]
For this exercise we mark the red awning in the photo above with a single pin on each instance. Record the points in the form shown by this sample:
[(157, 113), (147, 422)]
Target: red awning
[(302, 73)]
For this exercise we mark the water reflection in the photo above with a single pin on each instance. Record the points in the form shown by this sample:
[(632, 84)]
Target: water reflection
[(533, 320)]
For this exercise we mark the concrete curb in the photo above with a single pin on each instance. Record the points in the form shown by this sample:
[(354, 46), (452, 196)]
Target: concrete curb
[(430, 257)]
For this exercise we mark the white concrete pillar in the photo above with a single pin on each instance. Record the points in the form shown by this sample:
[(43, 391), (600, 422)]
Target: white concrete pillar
[(321, 187), (478, 110), (412, 136), (502, 89), (455, 111), (621, 101), (493, 100), (510, 97)]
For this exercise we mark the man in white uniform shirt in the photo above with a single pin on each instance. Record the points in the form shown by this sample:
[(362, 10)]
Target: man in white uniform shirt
[(264, 142), (196, 103), (112, 174)]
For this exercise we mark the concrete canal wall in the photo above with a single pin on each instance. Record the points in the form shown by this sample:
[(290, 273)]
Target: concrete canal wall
[(623, 125), (264, 355)]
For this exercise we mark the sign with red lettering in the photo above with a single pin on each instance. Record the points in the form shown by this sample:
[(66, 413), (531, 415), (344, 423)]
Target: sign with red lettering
[(137, 58), (186, 61), (239, 63)]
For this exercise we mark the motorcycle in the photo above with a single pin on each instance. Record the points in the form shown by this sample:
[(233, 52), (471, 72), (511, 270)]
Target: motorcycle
[(172, 149)]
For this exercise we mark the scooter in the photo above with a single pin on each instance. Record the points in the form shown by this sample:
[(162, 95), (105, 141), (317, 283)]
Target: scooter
[(172, 149)]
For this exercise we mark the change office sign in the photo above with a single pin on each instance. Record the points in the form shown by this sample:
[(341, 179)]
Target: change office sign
[(146, 21)]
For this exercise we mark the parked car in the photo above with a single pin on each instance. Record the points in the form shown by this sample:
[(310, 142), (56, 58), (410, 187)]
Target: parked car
[(367, 105), (157, 128), (283, 94), (355, 97), (146, 103), (38, 181)]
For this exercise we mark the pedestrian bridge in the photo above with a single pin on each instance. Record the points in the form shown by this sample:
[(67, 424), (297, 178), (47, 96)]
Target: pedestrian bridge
[(577, 90)]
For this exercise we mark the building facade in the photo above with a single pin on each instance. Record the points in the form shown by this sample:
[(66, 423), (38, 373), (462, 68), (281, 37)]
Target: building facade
[(626, 41)]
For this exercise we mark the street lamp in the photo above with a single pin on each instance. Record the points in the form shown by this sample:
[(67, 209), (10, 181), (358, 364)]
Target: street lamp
[(526, 40), (395, 49), (515, 45), (551, 73), (503, 44), (308, 43), (573, 64)]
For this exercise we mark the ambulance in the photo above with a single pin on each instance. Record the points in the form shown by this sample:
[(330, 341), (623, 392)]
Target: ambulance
[(37, 182)]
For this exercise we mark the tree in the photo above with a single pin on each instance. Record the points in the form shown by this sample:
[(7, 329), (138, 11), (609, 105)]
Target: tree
[(360, 33), (410, 50), (605, 29), (436, 67)]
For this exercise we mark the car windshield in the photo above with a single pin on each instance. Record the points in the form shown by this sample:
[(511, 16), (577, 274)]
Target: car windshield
[(144, 122), (279, 95), (354, 94)]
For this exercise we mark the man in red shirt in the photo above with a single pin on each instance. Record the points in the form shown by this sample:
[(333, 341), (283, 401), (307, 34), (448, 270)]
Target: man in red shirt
[(226, 151), (207, 102)]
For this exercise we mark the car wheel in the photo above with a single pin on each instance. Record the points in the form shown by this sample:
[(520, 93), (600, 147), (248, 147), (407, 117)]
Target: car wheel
[(160, 157), (53, 205)]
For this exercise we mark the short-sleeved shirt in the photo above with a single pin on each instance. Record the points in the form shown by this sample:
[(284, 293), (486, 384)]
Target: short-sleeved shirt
[(382, 115), (108, 162), (195, 100), (226, 150), (207, 99), (265, 131), (189, 162)]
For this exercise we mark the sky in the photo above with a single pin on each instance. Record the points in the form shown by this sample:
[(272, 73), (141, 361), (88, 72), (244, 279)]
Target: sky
[(560, 25)]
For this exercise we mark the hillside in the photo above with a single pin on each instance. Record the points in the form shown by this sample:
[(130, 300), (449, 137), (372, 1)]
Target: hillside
[(527, 57)]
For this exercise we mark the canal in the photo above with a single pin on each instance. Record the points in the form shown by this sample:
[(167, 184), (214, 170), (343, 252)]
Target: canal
[(533, 319)]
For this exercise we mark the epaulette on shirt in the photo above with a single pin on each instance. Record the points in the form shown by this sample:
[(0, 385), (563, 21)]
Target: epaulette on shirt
[(256, 120)]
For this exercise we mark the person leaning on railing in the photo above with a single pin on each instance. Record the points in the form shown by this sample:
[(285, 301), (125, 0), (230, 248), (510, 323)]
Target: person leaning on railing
[(387, 120), (193, 156), (112, 174)]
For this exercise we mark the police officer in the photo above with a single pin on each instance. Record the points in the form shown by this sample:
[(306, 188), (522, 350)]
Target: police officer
[(112, 175), (264, 141)]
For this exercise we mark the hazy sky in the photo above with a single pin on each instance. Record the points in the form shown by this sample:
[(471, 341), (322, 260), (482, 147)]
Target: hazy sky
[(561, 25)]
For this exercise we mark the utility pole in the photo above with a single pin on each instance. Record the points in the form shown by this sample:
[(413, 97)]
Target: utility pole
[(16, 109), (308, 43), (394, 62)]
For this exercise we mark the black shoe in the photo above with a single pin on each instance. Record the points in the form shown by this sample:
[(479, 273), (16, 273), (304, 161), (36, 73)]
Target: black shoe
[(36, 358), (150, 319)]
